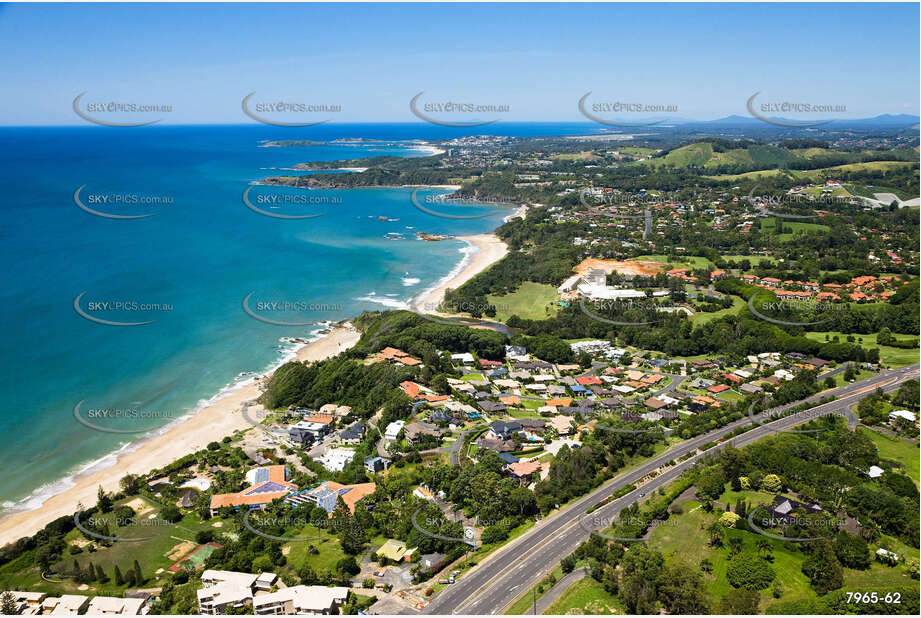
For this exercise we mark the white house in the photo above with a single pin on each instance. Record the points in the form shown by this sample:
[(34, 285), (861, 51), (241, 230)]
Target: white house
[(336, 459), (903, 414), (300, 600), (393, 430), (569, 285), (465, 358)]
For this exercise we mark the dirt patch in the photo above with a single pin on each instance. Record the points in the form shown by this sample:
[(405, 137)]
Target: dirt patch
[(628, 267), (140, 506), (181, 549)]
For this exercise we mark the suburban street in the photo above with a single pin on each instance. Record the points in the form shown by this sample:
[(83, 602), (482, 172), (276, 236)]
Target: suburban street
[(496, 582)]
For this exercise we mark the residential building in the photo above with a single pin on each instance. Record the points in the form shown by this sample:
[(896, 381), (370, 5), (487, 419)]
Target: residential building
[(301, 600)]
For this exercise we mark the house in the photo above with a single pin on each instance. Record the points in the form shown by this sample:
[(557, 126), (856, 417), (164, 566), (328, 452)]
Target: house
[(718, 388), (424, 493), (523, 470), (464, 358), (498, 446), (503, 430), (353, 434), (108, 606), (655, 404), (336, 459), (816, 363), (326, 495), (416, 431), (374, 464), (267, 484), (71, 605), (875, 472), (902, 414), (750, 388), (432, 562), (225, 591), (301, 600), (306, 433), (396, 356), (393, 431), (30, 603), (562, 425), (395, 551), (784, 509), (491, 406)]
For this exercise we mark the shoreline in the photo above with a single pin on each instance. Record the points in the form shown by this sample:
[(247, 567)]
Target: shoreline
[(483, 250), (222, 415), (212, 422)]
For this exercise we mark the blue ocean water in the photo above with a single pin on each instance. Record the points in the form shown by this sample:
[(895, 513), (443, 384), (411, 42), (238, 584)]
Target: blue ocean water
[(197, 258)]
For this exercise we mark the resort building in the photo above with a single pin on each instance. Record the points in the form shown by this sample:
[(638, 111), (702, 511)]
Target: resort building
[(266, 484)]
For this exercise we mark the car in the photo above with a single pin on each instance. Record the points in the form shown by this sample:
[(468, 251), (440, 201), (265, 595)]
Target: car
[(641, 494)]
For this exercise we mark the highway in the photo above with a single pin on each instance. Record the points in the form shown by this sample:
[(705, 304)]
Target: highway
[(495, 583)]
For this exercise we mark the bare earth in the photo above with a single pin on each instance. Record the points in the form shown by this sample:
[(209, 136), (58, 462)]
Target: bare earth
[(213, 422), (629, 267)]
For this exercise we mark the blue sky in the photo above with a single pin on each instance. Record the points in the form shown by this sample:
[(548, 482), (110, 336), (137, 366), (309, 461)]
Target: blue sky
[(538, 59)]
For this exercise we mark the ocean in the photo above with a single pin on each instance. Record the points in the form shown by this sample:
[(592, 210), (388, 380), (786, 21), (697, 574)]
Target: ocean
[(185, 272)]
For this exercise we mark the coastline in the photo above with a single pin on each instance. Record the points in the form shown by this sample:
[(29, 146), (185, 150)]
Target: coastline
[(222, 416), (212, 422), (483, 251)]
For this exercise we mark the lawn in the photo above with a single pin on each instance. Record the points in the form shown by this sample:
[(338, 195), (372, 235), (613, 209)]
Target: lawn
[(586, 596), (162, 546), (753, 259), (889, 356), (473, 377), (799, 227), (684, 541), (901, 451), (704, 317), (531, 301), (686, 261)]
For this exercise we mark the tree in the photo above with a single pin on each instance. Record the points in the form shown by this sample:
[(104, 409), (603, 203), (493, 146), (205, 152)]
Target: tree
[(823, 568), (170, 513), (638, 585), (852, 551), (771, 483), (567, 564), (138, 577), (8, 604), (715, 534), (682, 591), (729, 519), (103, 501), (748, 570), (119, 580)]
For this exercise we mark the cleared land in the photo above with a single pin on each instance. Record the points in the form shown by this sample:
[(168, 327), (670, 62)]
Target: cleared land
[(532, 301)]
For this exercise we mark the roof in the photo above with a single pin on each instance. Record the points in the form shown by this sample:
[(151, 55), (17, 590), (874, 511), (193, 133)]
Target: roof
[(350, 494), (393, 549), (718, 388), (314, 599), (524, 468), (654, 403)]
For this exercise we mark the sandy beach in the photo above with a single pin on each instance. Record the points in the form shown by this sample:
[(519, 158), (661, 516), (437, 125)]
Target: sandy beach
[(223, 417), (212, 422), (488, 249)]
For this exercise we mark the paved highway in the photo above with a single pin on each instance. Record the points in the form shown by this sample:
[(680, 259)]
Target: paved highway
[(496, 582)]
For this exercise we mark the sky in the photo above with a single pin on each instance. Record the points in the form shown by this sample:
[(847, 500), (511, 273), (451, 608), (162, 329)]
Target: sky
[(706, 60)]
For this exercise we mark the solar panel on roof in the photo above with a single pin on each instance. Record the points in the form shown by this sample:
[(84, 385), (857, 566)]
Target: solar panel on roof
[(262, 475)]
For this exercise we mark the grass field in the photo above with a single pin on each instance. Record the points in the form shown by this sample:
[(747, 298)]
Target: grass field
[(901, 451), (748, 175), (692, 154), (162, 546), (703, 318), (680, 261), (799, 227), (889, 356), (753, 259), (586, 596), (684, 541), (532, 301)]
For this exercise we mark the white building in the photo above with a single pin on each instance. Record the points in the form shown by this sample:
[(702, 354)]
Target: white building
[(393, 430), (225, 590), (113, 606), (465, 358), (903, 414), (311, 600), (336, 459), (569, 285)]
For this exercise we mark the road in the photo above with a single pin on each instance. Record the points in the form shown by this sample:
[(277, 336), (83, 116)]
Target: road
[(496, 582)]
